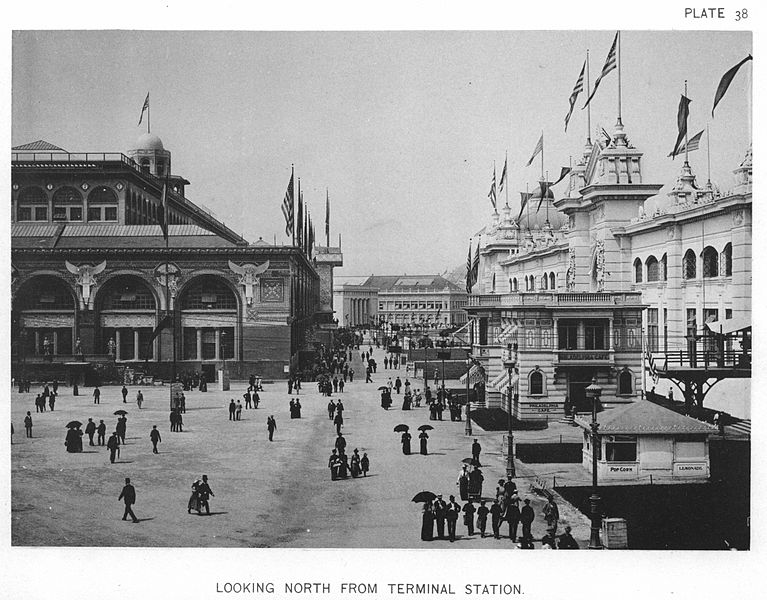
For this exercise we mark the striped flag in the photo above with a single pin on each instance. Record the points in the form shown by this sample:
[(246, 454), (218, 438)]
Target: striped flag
[(610, 64), (468, 271), (574, 95), (681, 121), (538, 150), (725, 82), (503, 176), (692, 144), (143, 109), (300, 220), (287, 208), (475, 267), (491, 194)]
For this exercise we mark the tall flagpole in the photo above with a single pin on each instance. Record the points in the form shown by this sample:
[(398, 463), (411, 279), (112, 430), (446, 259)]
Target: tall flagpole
[(708, 154), (293, 233), (588, 95), (506, 167), (620, 120), (686, 150), (542, 144), (148, 115)]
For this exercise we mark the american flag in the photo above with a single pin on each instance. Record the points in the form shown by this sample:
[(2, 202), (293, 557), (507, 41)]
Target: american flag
[(610, 64), (287, 208), (692, 144), (574, 95), (491, 194), (144, 109), (538, 149), (469, 282), (503, 176)]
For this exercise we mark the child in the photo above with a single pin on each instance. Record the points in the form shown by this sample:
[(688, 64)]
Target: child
[(365, 464)]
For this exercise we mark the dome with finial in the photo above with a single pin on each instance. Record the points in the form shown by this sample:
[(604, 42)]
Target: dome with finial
[(540, 211), (148, 141)]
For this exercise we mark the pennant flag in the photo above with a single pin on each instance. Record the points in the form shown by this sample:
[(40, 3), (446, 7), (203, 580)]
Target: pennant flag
[(143, 109), (574, 94), (538, 149), (692, 144), (591, 165), (562, 175), (681, 121), (475, 267), (166, 321), (503, 176), (610, 64), (491, 194), (544, 186), (727, 78), (287, 208), (607, 136), (468, 271), (163, 216), (306, 229), (300, 221), (524, 197), (327, 216)]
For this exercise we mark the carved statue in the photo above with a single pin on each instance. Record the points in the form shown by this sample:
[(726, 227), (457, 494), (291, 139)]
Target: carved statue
[(599, 266), (570, 276), (248, 276), (85, 277)]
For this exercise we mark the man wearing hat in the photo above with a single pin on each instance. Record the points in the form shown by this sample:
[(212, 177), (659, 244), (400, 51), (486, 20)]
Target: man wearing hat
[(128, 495), (527, 516), (440, 509), (204, 492), (451, 516), (567, 541), (475, 450)]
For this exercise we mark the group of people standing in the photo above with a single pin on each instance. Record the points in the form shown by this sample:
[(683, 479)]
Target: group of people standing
[(341, 466)]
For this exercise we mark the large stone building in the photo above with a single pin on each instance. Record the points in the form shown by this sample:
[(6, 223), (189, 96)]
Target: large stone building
[(566, 293), (93, 275)]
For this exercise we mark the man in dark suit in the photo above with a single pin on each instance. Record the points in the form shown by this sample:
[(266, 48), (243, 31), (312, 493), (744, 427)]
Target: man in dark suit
[(204, 492), (440, 509), (475, 450), (451, 516), (128, 495), (113, 443), (154, 435), (527, 516)]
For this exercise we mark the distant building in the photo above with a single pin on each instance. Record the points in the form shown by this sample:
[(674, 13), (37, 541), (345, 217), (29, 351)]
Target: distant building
[(93, 277)]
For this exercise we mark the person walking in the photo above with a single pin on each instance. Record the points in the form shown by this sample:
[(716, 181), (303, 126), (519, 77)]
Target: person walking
[(551, 515), (513, 517), (122, 426), (124, 392), (427, 523), (440, 508), (476, 449), (96, 395), (338, 421), (128, 496), (368, 371), (204, 493), (341, 386), (340, 444), (496, 515), (451, 516), (463, 483), (101, 430), (482, 512), (423, 437), (238, 411), (139, 399), (113, 445), (28, 424), (90, 429), (351, 375), (406, 442), (527, 516), (232, 409), (333, 465), (52, 400), (365, 464), (398, 384), (331, 409), (271, 426), (154, 435), (468, 516)]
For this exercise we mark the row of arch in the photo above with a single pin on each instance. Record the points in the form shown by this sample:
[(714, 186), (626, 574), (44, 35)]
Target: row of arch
[(66, 204), (547, 281), (712, 264), (536, 382)]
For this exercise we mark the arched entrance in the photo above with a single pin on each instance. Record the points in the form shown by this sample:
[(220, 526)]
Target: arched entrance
[(44, 319), (127, 310)]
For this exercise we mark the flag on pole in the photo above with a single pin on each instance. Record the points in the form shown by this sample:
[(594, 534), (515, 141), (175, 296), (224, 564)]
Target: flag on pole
[(524, 198), (562, 175), (610, 65), (300, 221), (503, 176), (166, 321), (163, 216), (607, 136), (287, 208), (544, 186), (491, 194), (692, 144), (727, 78), (327, 216), (681, 121), (475, 267), (574, 94), (468, 271), (538, 149), (651, 367), (146, 107)]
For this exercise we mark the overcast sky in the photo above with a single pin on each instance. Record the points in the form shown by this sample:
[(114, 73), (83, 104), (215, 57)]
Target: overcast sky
[(402, 128)]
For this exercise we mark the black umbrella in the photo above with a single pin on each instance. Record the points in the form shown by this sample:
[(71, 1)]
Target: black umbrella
[(400, 428), (470, 461), (74, 424), (424, 496), (382, 388), (121, 412), (425, 428)]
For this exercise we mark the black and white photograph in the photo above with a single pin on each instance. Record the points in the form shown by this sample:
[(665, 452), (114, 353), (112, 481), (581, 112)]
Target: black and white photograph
[(286, 297)]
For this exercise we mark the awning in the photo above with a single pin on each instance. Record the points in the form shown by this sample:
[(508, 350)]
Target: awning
[(501, 383), (476, 375), (729, 325)]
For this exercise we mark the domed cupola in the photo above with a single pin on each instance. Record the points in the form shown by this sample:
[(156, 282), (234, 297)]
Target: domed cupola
[(539, 211), (151, 155)]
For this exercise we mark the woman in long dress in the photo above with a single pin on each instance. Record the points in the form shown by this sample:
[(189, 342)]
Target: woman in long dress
[(194, 499), (406, 442), (475, 484), (423, 437), (463, 483), (427, 524)]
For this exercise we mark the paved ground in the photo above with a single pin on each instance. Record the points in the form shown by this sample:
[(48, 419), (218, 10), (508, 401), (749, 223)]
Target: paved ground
[(275, 494)]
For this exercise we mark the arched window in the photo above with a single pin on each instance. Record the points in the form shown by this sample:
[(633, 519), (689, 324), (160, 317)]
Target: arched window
[(625, 383), (664, 268), (127, 293), (552, 281), (32, 205), (67, 205), (493, 288), (536, 383), (689, 265), (637, 271), (653, 273), (545, 282), (532, 283), (727, 260), (710, 262), (102, 204), (208, 292)]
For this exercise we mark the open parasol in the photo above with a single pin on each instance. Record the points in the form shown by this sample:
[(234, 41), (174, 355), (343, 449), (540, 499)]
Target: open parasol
[(470, 461), (382, 388), (121, 412), (424, 496), (74, 424), (425, 428), (400, 428)]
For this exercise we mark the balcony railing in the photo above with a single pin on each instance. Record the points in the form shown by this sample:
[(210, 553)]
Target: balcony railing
[(554, 299)]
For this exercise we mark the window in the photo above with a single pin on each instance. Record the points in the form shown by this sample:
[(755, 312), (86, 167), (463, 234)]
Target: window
[(552, 281), (595, 335), (102, 204), (208, 293), (545, 282), (664, 268), (621, 448), (128, 294), (625, 383), (653, 271), (690, 449), (637, 271), (568, 335), (532, 283), (190, 343), (32, 205), (689, 265), (710, 262), (536, 383), (727, 260), (67, 205), (652, 329)]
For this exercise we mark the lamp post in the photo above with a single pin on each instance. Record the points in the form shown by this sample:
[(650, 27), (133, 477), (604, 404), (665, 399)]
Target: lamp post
[(469, 362), (426, 361), (509, 362), (594, 391)]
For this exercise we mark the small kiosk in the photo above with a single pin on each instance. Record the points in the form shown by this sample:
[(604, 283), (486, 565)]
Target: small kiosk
[(643, 440)]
